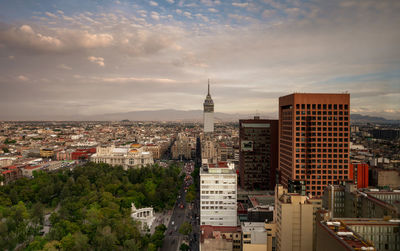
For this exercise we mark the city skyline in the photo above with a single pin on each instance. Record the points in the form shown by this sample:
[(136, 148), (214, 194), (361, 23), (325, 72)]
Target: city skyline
[(89, 58)]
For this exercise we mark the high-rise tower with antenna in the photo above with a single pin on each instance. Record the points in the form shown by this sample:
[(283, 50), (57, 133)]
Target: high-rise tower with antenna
[(208, 114)]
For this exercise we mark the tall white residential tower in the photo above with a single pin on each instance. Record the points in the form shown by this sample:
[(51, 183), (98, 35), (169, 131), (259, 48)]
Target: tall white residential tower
[(218, 189)]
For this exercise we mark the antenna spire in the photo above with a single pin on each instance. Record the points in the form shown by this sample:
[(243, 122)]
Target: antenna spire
[(208, 86)]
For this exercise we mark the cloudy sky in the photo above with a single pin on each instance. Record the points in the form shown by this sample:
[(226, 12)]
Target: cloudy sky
[(59, 58)]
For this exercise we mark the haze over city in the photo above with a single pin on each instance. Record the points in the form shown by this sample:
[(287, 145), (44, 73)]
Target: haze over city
[(61, 59), (188, 125)]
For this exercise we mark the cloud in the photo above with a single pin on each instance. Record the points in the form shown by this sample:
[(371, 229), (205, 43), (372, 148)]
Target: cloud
[(22, 78), (152, 3), (392, 111), (268, 13), (170, 1), (187, 14), (24, 37), (155, 15), (190, 59), (241, 5), (210, 2), (85, 39), (292, 12), (26, 29), (142, 13), (49, 14), (11, 57), (67, 18), (97, 60), (238, 17), (146, 42), (315, 46), (64, 67), (134, 79), (275, 4), (202, 17)]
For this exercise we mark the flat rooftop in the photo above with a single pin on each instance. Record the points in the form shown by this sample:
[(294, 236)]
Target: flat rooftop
[(219, 168), (217, 171), (262, 200), (346, 236), (253, 226), (369, 221)]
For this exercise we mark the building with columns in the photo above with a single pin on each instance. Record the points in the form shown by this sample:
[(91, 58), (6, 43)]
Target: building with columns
[(143, 215), (132, 156)]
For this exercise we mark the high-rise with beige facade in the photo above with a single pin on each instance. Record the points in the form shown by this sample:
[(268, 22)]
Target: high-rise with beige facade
[(314, 134), (295, 220)]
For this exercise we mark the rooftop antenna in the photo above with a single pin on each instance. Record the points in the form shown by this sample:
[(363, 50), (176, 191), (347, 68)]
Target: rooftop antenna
[(208, 87)]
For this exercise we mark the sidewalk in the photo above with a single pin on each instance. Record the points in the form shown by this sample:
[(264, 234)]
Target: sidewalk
[(161, 218)]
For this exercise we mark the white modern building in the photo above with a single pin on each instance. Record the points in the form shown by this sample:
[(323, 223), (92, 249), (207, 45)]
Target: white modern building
[(218, 191), (208, 114), (127, 157)]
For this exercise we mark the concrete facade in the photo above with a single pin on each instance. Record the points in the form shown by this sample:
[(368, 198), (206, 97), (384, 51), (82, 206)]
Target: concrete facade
[(384, 234), (385, 177), (254, 236), (220, 238), (209, 153), (208, 121), (333, 236), (271, 236), (218, 194), (182, 148), (295, 220), (347, 201)]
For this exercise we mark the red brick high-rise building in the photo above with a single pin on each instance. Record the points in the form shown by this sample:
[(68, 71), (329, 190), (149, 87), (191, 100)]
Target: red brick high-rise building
[(314, 135)]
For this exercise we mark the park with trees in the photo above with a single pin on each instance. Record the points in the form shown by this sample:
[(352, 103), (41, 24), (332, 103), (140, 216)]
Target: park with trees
[(87, 208)]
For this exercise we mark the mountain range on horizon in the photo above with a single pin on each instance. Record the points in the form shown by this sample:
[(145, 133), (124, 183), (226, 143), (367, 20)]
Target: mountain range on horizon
[(181, 115), (186, 116)]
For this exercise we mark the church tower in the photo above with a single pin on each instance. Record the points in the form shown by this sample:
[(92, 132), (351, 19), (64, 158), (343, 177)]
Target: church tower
[(208, 114)]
